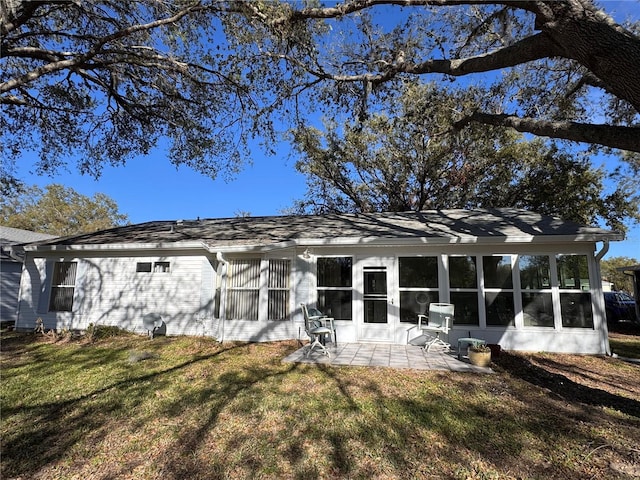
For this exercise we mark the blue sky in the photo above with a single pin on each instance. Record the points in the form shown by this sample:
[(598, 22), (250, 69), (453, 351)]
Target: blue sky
[(151, 188)]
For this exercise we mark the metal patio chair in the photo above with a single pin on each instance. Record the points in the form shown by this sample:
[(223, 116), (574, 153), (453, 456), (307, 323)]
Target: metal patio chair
[(437, 323), (315, 327)]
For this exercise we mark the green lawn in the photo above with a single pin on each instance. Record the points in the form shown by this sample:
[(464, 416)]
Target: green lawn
[(189, 408), (625, 341)]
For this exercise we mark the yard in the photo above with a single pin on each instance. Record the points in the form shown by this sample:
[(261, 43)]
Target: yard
[(186, 408)]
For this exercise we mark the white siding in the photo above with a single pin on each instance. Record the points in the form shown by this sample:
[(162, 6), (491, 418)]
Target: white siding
[(109, 291), (9, 285)]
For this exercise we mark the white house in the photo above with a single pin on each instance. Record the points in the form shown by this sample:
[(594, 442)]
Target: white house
[(11, 268), (516, 278)]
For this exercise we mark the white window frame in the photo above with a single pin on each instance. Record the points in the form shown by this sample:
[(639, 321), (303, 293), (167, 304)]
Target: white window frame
[(279, 269), (66, 283), (498, 290), (350, 289), (240, 283)]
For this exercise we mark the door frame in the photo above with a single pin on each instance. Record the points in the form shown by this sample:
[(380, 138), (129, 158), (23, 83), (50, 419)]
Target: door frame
[(371, 332)]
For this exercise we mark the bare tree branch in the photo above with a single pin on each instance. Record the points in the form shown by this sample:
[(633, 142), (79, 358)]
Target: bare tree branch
[(626, 138)]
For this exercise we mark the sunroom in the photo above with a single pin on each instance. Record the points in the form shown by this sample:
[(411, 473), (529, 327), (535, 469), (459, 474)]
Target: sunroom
[(518, 279)]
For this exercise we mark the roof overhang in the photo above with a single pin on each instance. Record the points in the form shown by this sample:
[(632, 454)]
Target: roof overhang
[(213, 247), (117, 247), (630, 268)]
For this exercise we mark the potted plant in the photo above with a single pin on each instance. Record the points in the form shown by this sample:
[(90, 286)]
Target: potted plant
[(480, 355)]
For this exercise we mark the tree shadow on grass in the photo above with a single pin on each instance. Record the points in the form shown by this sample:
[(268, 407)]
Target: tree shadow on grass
[(248, 415), (562, 386), (50, 429)]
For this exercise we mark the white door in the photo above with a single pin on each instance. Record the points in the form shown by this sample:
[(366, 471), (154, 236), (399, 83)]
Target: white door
[(377, 315)]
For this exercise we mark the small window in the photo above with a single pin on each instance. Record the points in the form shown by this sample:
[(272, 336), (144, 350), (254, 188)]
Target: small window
[(143, 267), (161, 267), (63, 286)]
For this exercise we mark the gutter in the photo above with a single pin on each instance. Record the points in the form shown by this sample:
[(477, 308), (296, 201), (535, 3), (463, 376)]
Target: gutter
[(223, 273), (395, 242), (603, 321), (192, 245), (231, 246)]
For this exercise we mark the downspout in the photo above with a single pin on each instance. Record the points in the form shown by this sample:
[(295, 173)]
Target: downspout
[(22, 269), (16, 253), (603, 319), (223, 273), (603, 252)]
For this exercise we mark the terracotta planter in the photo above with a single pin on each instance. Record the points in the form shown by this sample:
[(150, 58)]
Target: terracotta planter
[(480, 359)]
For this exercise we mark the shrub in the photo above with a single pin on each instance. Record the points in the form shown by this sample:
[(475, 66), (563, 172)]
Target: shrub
[(479, 348), (97, 332)]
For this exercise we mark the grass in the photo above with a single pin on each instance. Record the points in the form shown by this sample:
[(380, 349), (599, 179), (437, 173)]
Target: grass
[(172, 408), (624, 340)]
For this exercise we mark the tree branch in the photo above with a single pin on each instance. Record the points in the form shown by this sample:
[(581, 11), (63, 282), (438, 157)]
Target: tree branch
[(526, 50), (625, 138), (349, 7), (92, 52)]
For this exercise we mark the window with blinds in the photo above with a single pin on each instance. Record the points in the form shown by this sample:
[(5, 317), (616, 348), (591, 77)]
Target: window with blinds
[(279, 288), (243, 289), (62, 286)]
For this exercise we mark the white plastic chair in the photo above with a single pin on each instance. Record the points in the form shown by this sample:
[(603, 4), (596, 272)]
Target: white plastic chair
[(313, 326), (436, 323), (154, 324)]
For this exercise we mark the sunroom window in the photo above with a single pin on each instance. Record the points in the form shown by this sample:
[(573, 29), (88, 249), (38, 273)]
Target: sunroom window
[(418, 286), (463, 286), (535, 284), (498, 290), (575, 291), (334, 287)]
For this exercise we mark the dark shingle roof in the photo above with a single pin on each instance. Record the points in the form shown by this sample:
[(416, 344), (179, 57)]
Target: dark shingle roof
[(17, 236), (447, 225), (10, 237)]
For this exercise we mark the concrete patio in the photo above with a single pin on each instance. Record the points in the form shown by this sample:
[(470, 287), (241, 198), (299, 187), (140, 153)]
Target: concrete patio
[(386, 355)]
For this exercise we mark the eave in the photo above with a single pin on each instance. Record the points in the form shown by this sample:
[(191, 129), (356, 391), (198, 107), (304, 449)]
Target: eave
[(230, 247)]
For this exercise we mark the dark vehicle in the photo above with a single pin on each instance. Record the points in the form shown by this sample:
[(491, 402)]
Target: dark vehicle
[(620, 306)]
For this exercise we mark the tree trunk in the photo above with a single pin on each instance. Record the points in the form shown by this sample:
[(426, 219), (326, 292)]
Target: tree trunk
[(591, 38)]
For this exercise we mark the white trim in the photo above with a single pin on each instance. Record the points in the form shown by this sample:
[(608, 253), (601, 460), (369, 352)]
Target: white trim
[(337, 241)]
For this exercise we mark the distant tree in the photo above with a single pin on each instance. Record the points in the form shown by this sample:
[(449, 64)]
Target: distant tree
[(609, 270), (409, 158), (106, 80), (59, 210)]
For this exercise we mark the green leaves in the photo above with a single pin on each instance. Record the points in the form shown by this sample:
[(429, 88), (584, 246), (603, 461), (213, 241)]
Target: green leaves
[(59, 211), (412, 158)]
